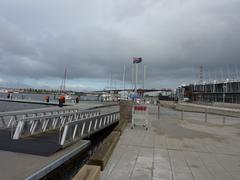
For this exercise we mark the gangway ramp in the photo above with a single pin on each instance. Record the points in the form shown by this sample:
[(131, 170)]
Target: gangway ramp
[(43, 144), (44, 133)]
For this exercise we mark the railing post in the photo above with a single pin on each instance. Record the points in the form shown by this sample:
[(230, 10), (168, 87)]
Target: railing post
[(206, 112), (100, 124), (12, 119), (105, 120), (74, 131), (63, 139), (45, 124), (83, 128), (34, 126), (95, 125), (18, 130), (89, 127), (181, 114)]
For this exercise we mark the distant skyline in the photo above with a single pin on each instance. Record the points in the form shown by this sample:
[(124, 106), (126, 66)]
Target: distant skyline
[(92, 39)]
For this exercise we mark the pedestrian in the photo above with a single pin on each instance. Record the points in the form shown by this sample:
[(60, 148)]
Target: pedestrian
[(158, 105), (77, 99), (47, 99), (61, 100)]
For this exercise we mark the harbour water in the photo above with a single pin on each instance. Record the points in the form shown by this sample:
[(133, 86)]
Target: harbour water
[(39, 97), (13, 106)]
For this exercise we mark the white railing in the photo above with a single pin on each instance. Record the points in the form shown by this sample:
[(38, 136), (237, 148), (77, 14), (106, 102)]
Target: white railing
[(8, 119), (42, 123), (76, 130)]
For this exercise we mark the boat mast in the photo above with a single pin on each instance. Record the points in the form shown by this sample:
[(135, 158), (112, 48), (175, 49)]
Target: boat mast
[(64, 81)]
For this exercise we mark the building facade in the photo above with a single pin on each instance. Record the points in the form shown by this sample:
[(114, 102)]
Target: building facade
[(224, 91)]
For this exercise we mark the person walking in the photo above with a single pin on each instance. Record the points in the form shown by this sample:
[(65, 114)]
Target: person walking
[(61, 100), (47, 99), (77, 99)]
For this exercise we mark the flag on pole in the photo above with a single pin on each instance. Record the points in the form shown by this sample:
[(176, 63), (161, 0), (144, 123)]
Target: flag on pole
[(137, 60)]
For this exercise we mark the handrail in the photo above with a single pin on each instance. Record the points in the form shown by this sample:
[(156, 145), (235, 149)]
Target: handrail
[(62, 114), (76, 130), (9, 118), (33, 125)]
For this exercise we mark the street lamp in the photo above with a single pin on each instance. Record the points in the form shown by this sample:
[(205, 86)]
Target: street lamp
[(224, 91)]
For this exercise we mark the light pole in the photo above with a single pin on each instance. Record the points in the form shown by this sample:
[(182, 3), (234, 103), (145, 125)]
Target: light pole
[(224, 91), (124, 74)]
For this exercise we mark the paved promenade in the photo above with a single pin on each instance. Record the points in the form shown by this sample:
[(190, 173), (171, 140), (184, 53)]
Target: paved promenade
[(178, 150)]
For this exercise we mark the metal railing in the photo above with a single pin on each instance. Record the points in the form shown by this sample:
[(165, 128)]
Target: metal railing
[(221, 113), (76, 130), (37, 124), (8, 119)]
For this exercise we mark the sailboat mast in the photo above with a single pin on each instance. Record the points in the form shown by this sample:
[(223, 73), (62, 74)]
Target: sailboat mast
[(64, 81)]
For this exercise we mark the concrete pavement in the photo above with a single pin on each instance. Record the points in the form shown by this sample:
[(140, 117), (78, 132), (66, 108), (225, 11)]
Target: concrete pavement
[(174, 149)]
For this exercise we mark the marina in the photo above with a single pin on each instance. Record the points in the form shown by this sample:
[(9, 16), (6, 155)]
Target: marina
[(179, 143), (119, 90)]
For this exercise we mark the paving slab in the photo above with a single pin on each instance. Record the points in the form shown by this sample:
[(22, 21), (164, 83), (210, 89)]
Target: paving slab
[(175, 149)]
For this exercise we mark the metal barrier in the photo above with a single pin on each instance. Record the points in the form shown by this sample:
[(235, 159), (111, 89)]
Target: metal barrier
[(222, 112), (42, 123), (140, 115), (75, 130), (8, 119)]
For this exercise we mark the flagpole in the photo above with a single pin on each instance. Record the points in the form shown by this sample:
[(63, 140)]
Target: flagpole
[(132, 86), (136, 76), (144, 76), (110, 81), (124, 72)]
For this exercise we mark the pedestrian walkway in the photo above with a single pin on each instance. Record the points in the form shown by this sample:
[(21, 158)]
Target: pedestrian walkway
[(174, 149)]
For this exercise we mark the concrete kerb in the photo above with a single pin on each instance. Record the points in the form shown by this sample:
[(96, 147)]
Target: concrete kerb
[(88, 172), (168, 104), (101, 157), (104, 152)]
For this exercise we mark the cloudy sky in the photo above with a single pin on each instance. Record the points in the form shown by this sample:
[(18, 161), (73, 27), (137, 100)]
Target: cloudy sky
[(93, 39)]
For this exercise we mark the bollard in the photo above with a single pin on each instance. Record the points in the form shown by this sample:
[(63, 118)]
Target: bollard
[(158, 112), (182, 115), (206, 111)]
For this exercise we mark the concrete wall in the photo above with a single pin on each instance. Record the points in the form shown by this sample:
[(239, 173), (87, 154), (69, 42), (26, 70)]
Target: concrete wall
[(227, 105), (126, 111), (168, 104)]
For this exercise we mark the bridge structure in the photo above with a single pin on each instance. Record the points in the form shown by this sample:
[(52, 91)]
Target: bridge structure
[(140, 90), (31, 101), (48, 131)]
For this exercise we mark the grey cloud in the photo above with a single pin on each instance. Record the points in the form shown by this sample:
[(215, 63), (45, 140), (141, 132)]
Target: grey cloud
[(40, 39)]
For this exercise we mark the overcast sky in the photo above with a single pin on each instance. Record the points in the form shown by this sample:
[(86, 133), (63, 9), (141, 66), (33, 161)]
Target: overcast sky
[(92, 39)]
